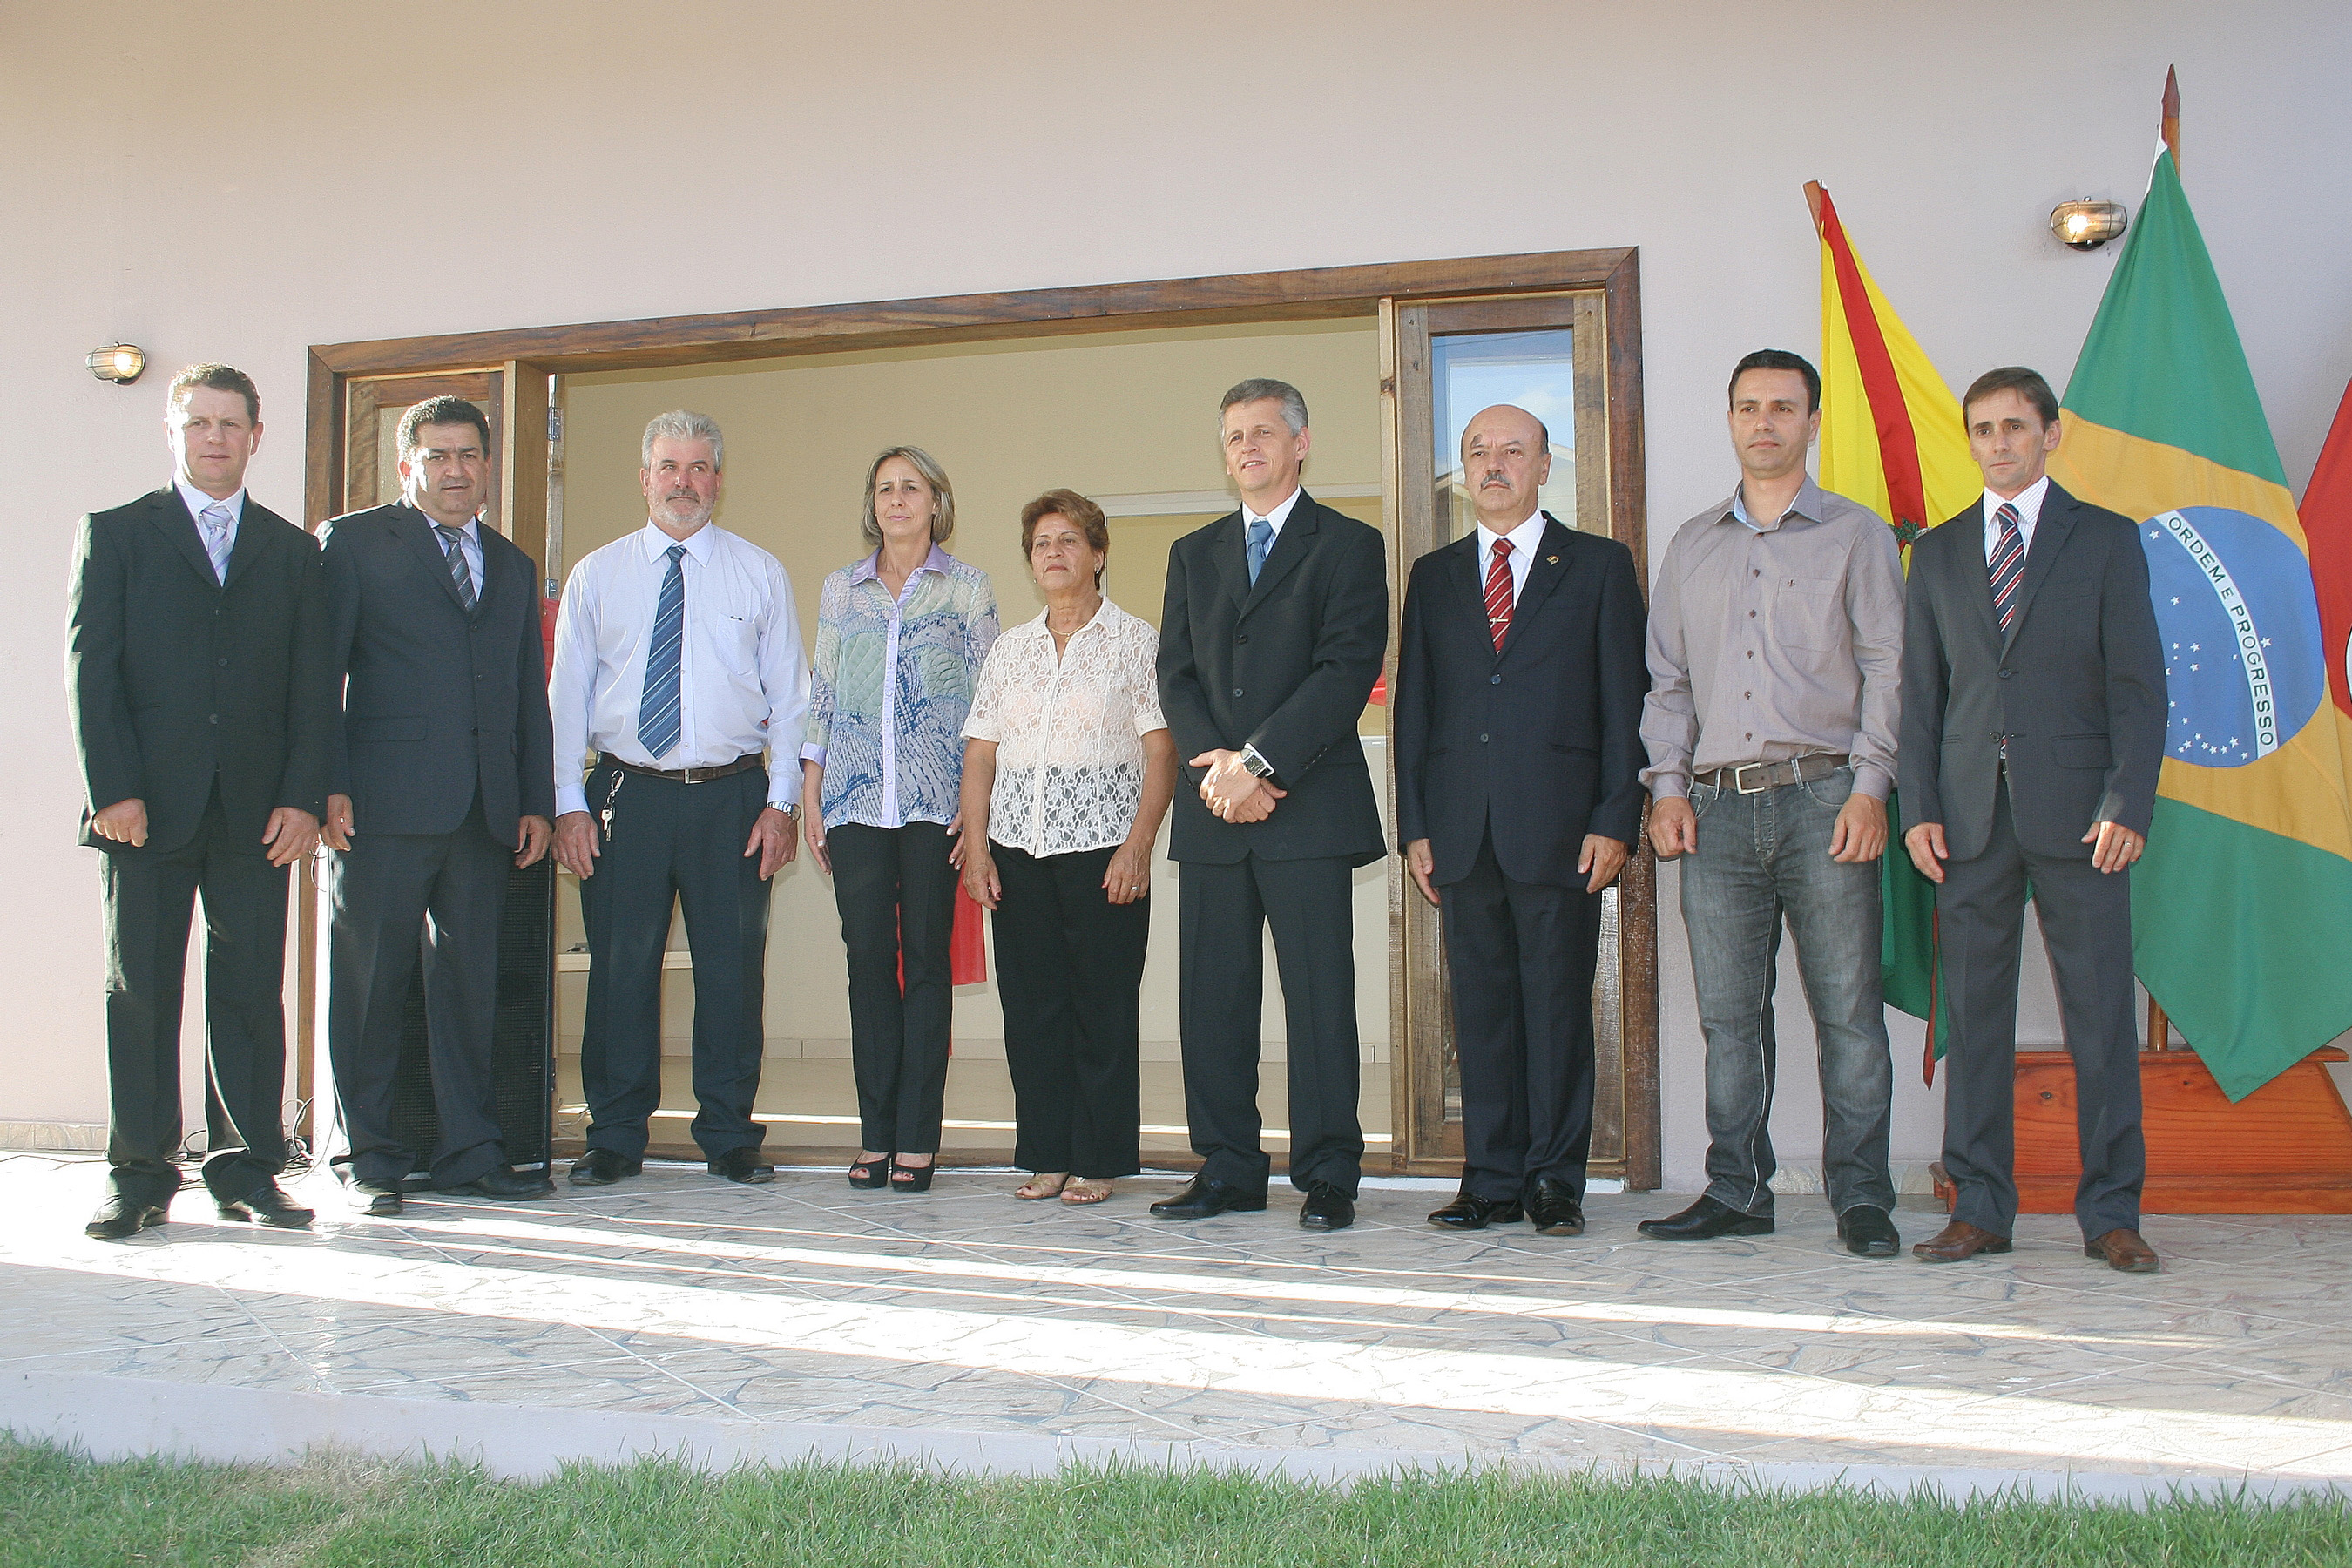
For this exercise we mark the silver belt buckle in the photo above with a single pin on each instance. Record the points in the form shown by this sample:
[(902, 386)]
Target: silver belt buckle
[(1739, 778), (686, 775)]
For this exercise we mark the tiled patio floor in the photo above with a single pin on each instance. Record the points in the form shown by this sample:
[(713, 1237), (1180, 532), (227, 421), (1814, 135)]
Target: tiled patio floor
[(963, 1318)]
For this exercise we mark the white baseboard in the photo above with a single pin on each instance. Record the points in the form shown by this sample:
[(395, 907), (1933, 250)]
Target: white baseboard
[(54, 1137)]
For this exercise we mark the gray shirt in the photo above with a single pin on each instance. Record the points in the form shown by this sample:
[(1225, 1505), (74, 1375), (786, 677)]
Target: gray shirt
[(1768, 642)]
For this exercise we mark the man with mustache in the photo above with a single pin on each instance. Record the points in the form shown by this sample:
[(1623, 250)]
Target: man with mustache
[(1518, 714), (678, 671), (441, 782), (1775, 647)]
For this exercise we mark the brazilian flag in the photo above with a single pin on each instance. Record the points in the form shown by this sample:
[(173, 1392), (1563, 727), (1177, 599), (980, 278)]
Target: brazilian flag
[(2242, 905)]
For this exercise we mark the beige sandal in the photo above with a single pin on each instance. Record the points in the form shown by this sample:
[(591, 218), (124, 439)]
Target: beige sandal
[(1086, 1190), (1038, 1186)]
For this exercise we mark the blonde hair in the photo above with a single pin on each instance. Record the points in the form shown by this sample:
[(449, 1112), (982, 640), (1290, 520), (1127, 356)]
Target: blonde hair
[(923, 463)]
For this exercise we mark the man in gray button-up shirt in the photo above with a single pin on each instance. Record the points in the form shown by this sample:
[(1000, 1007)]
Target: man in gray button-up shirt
[(1775, 650)]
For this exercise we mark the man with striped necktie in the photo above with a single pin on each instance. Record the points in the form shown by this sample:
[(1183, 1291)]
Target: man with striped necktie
[(442, 779), (679, 678), (196, 655), (2034, 726)]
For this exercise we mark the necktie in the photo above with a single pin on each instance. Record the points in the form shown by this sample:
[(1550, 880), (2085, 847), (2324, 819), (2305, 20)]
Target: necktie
[(1261, 540), (1498, 594), (216, 521), (659, 716), (461, 576), (2008, 566)]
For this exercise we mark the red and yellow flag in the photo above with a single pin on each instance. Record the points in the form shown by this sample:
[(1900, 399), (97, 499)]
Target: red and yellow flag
[(1891, 438)]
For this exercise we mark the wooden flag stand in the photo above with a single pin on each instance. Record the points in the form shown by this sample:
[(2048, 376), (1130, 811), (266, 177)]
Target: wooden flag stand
[(2285, 1148)]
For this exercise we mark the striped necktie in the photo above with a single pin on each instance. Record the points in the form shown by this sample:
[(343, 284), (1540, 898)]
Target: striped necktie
[(2008, 566), (216, 521), (661, 715), (1261, 542), (461, 576), (1498, 594)]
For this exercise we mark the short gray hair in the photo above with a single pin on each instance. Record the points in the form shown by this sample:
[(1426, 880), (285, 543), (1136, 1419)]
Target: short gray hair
[(1294, 407), (923, 463), (679, 425)]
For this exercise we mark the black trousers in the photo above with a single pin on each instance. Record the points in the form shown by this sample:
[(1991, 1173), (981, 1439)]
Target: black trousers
[(386, 891), (895, 888), (2087, 924), (1069, 973), (1521, 956), (150, 900), (672, 843), (1222, 909)]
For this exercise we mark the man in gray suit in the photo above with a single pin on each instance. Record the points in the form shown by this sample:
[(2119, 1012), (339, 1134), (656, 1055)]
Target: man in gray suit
[(2033, 724), (442, 771)]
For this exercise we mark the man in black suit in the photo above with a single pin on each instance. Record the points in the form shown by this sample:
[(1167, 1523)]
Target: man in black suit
[(443, 770), (1275, 620), (2033, 724), (1517, 715), (195, 660)]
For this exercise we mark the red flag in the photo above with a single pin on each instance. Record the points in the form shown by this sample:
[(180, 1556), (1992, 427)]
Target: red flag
[(2327, 515)]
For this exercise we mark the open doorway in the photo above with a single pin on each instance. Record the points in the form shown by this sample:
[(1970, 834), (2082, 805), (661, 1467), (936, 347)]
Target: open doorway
[(1112, 391)]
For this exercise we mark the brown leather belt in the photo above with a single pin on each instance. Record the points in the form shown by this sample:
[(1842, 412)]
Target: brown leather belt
[(743, 763), (1753, 778)]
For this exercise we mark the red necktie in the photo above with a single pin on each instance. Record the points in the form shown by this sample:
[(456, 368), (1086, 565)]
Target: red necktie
[(1498, 594)]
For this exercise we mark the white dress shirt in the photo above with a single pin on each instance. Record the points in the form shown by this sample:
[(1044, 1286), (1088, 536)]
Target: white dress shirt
[(1276, 518), (743, 678), (197, 501), (2028, 502), (1524, 540)]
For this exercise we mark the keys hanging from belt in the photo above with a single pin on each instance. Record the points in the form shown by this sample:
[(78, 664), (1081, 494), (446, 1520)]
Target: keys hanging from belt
[(605, 816)]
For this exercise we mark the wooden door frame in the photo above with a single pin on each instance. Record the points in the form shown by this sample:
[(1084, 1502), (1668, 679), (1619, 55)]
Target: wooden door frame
[(530, 356)]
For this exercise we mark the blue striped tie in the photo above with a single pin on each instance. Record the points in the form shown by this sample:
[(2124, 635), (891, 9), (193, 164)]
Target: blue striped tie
[(1261, 542), (2008, 566), (659, 719)]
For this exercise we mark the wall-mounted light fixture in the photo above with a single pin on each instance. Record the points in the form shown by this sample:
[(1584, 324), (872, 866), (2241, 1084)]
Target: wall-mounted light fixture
[(121, 364), (2086, 226)]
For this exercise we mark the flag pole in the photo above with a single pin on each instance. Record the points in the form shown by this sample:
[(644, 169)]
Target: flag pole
[(2159, 1027)]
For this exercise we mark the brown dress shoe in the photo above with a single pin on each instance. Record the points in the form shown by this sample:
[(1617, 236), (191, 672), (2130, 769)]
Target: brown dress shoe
[(1958, 1242), (2123, 1251)]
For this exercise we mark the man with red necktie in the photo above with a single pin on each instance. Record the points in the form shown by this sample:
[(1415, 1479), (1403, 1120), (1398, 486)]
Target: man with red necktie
[(1517, 717)]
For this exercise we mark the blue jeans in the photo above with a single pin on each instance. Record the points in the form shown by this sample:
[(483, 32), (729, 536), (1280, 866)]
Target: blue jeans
[(1761, 856)]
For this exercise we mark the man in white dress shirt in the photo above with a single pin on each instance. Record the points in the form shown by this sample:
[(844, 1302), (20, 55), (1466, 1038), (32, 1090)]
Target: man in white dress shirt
[(678, 671)]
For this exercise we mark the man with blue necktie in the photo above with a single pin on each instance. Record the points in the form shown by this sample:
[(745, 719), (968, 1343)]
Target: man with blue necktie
[(195, 661), (441, 781), (678, 674)]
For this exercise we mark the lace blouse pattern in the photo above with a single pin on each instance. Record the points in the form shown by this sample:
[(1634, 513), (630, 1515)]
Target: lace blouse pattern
[(1069, 732)]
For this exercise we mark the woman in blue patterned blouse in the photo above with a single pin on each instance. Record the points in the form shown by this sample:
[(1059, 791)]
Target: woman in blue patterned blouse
[(900, 637)]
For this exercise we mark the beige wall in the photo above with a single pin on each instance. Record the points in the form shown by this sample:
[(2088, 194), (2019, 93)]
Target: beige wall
[(1122, 414), (278, 173)]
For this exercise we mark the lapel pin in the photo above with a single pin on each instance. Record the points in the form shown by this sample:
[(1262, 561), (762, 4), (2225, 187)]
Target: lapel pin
[(1551, 560)]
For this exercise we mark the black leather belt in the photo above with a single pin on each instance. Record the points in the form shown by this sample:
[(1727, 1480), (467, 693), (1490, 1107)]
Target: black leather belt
[(1753, 778), (743, 763)]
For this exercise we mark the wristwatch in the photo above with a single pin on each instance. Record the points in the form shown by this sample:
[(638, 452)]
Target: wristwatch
[(1255, 764)]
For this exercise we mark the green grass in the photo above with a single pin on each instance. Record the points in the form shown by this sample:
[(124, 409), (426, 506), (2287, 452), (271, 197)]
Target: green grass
[(58, 1510)]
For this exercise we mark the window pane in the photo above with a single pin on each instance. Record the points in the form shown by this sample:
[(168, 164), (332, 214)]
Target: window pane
[(1471, 371)]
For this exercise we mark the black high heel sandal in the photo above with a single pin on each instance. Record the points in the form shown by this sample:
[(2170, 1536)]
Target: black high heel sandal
[(912, 1178), (870, 1173)]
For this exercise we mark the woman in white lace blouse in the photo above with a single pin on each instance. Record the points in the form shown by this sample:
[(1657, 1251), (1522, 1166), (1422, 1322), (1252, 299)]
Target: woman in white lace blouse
[(1068, 768)]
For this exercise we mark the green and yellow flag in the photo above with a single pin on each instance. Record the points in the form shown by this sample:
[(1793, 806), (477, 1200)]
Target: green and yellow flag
[(2241, 906), (1891, 438)]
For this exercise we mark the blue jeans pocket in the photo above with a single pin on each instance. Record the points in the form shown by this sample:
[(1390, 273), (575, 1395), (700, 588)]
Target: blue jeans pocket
[(1701, 797), (1831, 789)]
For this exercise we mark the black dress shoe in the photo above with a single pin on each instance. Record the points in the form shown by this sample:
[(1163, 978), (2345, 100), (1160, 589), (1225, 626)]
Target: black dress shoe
[(267, 1207), (378, 1200), (743, 1165), (1703, 1221), (1470, 1212), (603, 1167), (501, 1182), (119, 1219), (1868, 1232), (1554, 1208), (1326, 1208), (1203, 1197)]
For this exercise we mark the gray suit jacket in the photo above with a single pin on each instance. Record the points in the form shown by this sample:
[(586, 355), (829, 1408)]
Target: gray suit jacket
[(439, 702), (2076, 686)]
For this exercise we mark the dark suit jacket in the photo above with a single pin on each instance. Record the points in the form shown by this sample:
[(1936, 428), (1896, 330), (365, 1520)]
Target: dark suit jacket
[(177, 678), (1542, 740), (439, 702), (1286, 665), (2077, 685)]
